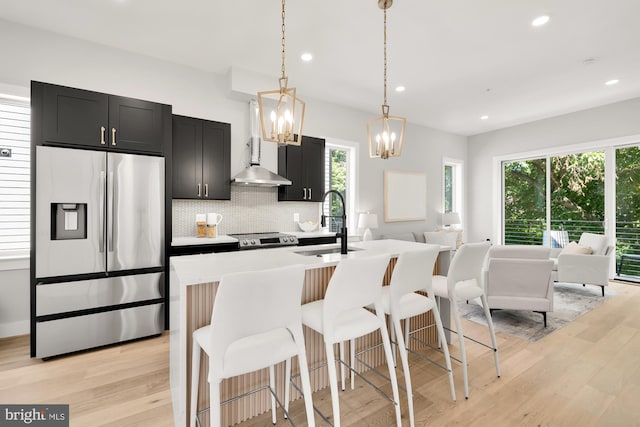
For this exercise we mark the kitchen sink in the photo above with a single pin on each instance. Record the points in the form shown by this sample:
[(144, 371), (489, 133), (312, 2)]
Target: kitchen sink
[(324, 251)]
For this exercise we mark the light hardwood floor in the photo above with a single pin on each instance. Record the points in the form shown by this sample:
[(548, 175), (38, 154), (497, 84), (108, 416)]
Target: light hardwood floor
[(585, 374)]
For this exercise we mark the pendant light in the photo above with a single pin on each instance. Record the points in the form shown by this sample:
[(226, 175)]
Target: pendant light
[(385, 133), (281, 111)]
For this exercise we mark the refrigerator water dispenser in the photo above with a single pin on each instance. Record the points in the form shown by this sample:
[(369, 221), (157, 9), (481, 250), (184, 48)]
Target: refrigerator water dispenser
[(68, 221)]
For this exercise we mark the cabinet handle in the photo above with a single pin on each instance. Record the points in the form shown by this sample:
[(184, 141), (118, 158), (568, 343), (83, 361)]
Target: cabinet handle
[(304, 197), (206, 190), (113, 136), (198, 190), (102, 130), (310, 194)]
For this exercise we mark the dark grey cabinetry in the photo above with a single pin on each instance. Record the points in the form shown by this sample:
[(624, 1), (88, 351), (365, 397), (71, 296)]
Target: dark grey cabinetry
[(201, 159), (304, 166), (76, 117)]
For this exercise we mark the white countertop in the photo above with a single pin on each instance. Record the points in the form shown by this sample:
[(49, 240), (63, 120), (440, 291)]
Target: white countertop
[(205, 268), (187, 241)]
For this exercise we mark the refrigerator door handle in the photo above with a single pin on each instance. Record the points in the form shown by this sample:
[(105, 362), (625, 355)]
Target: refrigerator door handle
[(110, 212), (103, 185)]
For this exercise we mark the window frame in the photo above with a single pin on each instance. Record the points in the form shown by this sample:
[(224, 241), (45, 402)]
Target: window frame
[(352, 167), (457, 187), (14, 258)]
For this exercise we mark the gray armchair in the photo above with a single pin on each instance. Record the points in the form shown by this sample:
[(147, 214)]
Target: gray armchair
[(519, 278)]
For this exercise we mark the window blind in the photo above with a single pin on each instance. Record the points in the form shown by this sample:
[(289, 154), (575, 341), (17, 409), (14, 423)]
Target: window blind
[(14, 176)]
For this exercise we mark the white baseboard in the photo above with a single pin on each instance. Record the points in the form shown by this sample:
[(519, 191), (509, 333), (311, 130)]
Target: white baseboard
[(12, 329)]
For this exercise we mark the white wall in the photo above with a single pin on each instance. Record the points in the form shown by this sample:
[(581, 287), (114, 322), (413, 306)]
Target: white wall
[(30, 54), (610, 121), (14, 297)]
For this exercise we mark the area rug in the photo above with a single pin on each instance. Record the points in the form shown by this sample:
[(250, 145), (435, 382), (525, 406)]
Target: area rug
[(570, 302)]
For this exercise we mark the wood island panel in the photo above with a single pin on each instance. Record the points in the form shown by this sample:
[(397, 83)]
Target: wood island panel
[(200, 299)]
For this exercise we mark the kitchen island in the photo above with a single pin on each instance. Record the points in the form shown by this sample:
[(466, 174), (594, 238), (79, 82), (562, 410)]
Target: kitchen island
[(194, 280)]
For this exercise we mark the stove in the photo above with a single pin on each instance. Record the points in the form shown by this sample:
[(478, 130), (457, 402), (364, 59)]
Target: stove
[(264, 240)]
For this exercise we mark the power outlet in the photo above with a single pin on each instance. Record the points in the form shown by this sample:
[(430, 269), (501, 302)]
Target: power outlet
[(296, 217)]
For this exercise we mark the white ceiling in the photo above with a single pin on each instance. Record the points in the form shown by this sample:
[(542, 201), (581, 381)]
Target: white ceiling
[(459, 59)]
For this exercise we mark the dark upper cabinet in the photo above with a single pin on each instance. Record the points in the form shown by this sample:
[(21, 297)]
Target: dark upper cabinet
[(304, 166), (91, 119), (201, 159), (135, 124)]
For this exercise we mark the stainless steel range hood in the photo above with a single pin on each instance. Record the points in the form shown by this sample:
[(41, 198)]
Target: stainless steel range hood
[(255, 174)]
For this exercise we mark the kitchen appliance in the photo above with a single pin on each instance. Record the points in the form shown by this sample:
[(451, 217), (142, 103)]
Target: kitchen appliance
[(264, 240), (99, 249), (255, 174)]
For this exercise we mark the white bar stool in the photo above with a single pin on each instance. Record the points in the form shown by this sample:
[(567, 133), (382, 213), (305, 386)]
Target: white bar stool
[(464, 282), (341, 316), (413, 272), (256, 323)]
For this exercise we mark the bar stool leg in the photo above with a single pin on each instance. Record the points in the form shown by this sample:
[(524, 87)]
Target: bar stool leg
[(445, 348), (463, 353), (352, 362), (405, 367), (394, 347), (492, 332), (407, 331), (272, 385), (195, 379), (287, 386), (333, 383), (392, 372), (342, 373), (304, 377), (214, 402)]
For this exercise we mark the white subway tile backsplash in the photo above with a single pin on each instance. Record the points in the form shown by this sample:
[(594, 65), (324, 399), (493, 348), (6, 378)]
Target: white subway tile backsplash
[(250, 210)]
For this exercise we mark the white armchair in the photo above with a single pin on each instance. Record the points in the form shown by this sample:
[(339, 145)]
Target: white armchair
[(519, 278), (585, 268)]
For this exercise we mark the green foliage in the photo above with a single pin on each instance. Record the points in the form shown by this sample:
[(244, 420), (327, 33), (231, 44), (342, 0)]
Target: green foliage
[(448, 188), (628, 184), (577, 188), (525, 189)]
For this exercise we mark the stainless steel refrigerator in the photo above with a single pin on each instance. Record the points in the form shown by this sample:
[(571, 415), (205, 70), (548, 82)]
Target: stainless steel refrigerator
[(99, 249)]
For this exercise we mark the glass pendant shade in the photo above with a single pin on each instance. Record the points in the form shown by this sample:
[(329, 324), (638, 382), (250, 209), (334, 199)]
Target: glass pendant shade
[(385, 135), (281, 115)]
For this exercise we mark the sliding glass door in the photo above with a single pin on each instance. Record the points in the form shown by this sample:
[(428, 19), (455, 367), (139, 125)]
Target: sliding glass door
[(577, 195), (525, 203), (553, 200), (628, 212)]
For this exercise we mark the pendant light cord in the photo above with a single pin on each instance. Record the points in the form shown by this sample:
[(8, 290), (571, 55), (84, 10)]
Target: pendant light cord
[(284, 74), (385, 56)]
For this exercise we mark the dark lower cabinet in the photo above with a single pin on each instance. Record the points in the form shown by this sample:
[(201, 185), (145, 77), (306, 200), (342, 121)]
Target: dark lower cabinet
[(203, 249), (77, 117), (201, 159), (304, 166)]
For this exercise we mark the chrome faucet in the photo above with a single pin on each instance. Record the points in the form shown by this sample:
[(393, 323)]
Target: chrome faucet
[(343, 230)]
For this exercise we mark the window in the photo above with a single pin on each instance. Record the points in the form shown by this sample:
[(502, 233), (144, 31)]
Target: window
[(452, 190), (553, 200), (14, 176), (339, 175)]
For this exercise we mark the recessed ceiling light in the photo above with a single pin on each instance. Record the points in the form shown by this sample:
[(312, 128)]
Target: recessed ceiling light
[(540, 21), (400, 89), (306, 57), (484, 117), (612, 82)]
